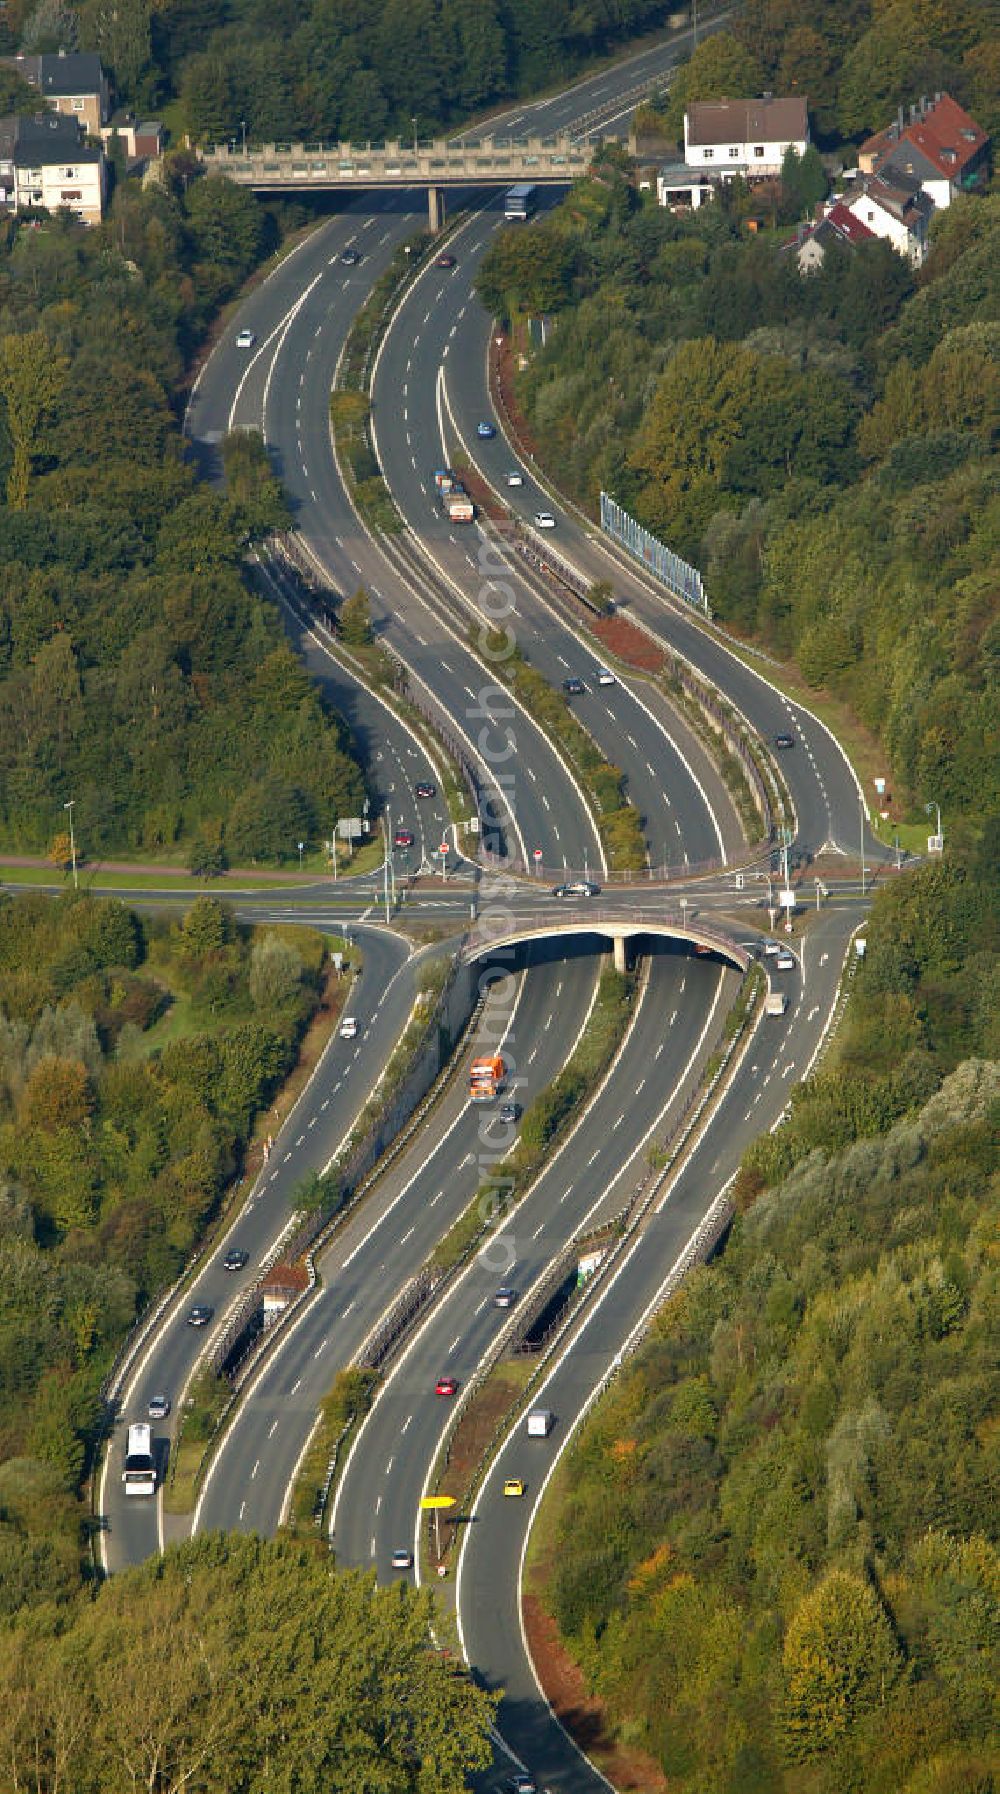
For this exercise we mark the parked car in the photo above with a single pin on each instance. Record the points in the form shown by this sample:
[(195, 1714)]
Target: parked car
[(446, 1386), (424, 788), (235, 1259), (486, 431), (578, 887), (574, 687), (445, 261), (784, 740), (158, 1407), (349, 1028), (199, 1315), (245, 339), (402, 1560), (544, 520)]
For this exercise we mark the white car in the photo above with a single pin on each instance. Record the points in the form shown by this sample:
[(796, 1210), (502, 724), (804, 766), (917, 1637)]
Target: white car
[(604, 677), (544, 520), (770, 948), (245, 339), (515, 478), (349, 1028)]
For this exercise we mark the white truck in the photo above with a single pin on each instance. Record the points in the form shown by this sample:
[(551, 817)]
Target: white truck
[(540, 1423)]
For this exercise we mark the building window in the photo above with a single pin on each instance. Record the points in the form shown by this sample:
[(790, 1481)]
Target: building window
[(78, 105), (733, 153), (709, 153), (758, 149)]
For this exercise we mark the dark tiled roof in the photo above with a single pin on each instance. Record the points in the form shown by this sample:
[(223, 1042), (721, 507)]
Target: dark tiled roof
[(746, 121)]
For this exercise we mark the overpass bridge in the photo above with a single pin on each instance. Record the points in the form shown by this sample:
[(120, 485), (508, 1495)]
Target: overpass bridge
[(616, 924), (441, 163)]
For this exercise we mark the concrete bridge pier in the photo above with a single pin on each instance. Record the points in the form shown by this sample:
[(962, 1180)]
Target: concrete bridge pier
[(435, 209), (619, 944)]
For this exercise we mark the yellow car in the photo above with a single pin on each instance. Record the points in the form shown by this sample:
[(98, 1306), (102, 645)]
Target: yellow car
[(513, 1485)]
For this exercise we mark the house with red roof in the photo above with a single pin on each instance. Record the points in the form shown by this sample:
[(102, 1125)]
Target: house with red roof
[(838, 226), (940, 147)]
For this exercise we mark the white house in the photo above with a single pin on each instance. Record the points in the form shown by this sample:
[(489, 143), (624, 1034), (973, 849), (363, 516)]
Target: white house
[(894, 207), (745, 137), (45, 164)]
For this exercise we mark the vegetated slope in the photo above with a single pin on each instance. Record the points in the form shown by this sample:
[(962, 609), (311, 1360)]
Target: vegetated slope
[(133, 1059), (823, 447), (775, 1554), (334, 69), (231, 1663), (139, 675)]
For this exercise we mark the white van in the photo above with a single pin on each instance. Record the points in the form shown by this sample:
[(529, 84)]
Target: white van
[(540, 1423)]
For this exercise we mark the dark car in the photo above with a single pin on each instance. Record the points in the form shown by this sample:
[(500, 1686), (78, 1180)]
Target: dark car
[(445, 261), (199, 1315), (505, 1297), (235, 1260), (403, 838), (350, 258), (509, 1112), (579, 887), (784, 741), (522, 1784), (424, 788), (486, 431), (574, 686)]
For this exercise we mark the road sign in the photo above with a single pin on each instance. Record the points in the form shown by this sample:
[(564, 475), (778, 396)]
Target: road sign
[(537, 854), (444, 848), (437, 1501), (350, 828)]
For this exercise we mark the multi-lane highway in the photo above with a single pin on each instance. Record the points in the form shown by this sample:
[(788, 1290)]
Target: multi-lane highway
[(430, 393)]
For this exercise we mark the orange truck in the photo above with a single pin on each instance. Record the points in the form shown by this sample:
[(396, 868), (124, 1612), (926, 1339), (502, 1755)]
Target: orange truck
[(486, 1078)]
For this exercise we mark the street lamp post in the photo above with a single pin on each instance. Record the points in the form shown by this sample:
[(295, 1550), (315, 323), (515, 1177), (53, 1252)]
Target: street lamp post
[(72, 842), (861, 810), (413, 122), (301, 848), (939, 838), (243, 128)]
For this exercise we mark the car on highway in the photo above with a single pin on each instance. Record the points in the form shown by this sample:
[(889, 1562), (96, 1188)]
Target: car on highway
[(402, 1560), (785, 962), (446, 1386), (199, 1315), (605, 676), (245, 339), (349, 1028), (505, 1297), (784, 740), (513, 1485), (235, 1259), (350, 258), (486, 431), (515, 477), (770, 949), (544, 520), (574, 687), (445, 261), (403, 838), (521, 1784), (509, 1112), (424, 788), (578, 887), (158, 1407)]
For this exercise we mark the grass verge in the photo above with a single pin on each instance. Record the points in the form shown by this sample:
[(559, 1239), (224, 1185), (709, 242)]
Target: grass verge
[(341, 1412)]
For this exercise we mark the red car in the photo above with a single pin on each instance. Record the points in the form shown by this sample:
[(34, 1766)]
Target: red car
[(446, 1386), (403, 838)]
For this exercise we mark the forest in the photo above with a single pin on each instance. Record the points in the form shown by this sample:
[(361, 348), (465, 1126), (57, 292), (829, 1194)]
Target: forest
[(140, 674), (821, 446), (774, 1549), (231, 1664), (134, 1057), (328, 69)]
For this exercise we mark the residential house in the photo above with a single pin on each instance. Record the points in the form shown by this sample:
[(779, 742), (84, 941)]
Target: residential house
[(682, 189), (837, 227), (744, 137), (46, 164), (941, 147), (141, 139), (894, 207), (72, 82)]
